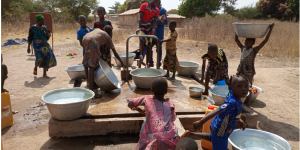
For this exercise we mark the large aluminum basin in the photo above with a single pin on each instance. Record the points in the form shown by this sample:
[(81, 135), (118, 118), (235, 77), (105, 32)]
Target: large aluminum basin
[(251, 30), (76, 72), (219, 94), (123, 57), (68, 103), (252, 139), (105, 78), (188, 68), (143, 77)]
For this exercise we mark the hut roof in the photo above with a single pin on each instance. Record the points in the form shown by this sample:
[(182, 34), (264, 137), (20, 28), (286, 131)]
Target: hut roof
[(130, 12)]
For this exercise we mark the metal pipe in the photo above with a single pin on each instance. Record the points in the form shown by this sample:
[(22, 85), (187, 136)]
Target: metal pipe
[(127, 47)]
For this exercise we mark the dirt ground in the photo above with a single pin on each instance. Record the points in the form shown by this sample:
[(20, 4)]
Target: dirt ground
[(277, 105)]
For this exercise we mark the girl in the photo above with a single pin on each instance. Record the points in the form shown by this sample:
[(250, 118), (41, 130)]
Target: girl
[(39, 34), (217, 68), (171, 62), (225, 117), (91, 44), (246, 66), (102, 22), (147, 24), (158, 131)]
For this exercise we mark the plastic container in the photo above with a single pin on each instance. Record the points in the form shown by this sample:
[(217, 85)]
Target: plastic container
[(206, 128), (6, 111), (222, 82)]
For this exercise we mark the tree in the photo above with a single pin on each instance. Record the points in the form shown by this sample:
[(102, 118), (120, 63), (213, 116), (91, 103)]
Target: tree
[(293, 9), (248, 12), (274, 8), (114, 8), (172, 11), (122, 8), (73, 8), (134, 4), (199, 8)]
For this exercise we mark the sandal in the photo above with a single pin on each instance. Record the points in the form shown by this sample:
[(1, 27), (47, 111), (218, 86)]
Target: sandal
[(34, 72)]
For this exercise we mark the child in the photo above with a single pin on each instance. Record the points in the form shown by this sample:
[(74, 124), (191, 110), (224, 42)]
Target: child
[(217, 68), (171, 62), (225, 117), (246, 66), (3, 75), (102, 22), (84, 29), (158, 131), (186, 144), (147, 24)]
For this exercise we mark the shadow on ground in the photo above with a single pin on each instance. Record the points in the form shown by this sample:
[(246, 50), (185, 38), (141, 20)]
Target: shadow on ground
[(38, 82)]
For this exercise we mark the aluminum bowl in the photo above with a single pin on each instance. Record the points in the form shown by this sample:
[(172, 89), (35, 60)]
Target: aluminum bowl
[(257, 140), (219, 94), (68, 103), (199, 72), (142, 81), (123, 58), (76, 72), (105, 77), (188, 68), (251, 30), (254, 96), (196, 92)]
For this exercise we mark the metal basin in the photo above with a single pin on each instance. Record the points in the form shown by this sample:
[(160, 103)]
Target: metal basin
[(76, 72), (131, 57), (219, 94), (188, 68), (69, 103), (199, 73), (251, 30), (252, 139), (254, 96), (105, 77), (143, 77), (196, 92)]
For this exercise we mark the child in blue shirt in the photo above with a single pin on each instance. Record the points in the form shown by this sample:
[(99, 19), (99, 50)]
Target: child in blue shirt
[(225, 117), (84, 29)]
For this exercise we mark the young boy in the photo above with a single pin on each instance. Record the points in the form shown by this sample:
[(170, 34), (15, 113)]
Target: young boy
[(217, 68), (3, 75), (84, 29), (186, 144), (225, 117), (171, 61), (246, 66)]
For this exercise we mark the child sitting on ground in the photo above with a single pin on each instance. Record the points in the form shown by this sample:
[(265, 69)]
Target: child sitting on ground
[(225, 117), (3, 75), (217, 68), (246, 66), (171, 62), (186, 144), (158, 131), (84, 29)]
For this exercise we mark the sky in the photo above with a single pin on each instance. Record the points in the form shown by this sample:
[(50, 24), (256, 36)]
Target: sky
[(173, 4)]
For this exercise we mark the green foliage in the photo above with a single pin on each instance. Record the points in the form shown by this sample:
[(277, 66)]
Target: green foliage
[(198, 8), (134, 4), (248, 12), (293, 9), (18, 8), (114, 8), (172, 11), (122, 8)]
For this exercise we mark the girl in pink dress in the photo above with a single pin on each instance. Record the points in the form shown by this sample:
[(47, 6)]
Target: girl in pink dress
[(158, 131)]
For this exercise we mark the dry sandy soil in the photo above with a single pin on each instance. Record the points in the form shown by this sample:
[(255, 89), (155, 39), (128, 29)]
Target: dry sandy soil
[(277, 105)]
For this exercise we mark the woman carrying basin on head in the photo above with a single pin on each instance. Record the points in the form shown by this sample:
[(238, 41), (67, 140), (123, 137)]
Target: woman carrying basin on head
[(39, 34), (91, 43)]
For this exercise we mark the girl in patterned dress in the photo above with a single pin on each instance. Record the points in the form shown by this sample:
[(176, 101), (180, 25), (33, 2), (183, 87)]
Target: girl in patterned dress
[(217, 68), (39, 34), (171, 62), (91, 42), (246, 66), (158, 131)]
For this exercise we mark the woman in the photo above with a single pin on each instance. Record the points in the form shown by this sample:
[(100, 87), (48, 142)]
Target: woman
[(92, 42), (39, 34)]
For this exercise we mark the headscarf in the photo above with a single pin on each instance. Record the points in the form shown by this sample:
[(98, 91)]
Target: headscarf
[(39, 16)]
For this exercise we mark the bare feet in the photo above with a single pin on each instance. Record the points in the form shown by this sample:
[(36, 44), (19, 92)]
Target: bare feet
[(35, 71), (45, 76), (185, 134)]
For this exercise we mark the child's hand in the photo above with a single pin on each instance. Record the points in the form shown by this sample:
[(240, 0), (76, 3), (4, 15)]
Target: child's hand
[(201, 81), (272, 25), (137, 32), (140, 110), (198, 125), (123, 65), (153, 32), (242, 124), (159, 41)]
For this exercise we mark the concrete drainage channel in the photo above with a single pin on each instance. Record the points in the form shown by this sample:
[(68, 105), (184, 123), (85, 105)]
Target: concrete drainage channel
[(129, 123)]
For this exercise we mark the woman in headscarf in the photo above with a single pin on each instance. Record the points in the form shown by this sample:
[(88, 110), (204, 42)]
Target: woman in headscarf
[(39, 34)]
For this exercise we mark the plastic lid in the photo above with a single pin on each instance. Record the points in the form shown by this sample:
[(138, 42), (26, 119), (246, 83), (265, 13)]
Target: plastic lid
[(211, 107)]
